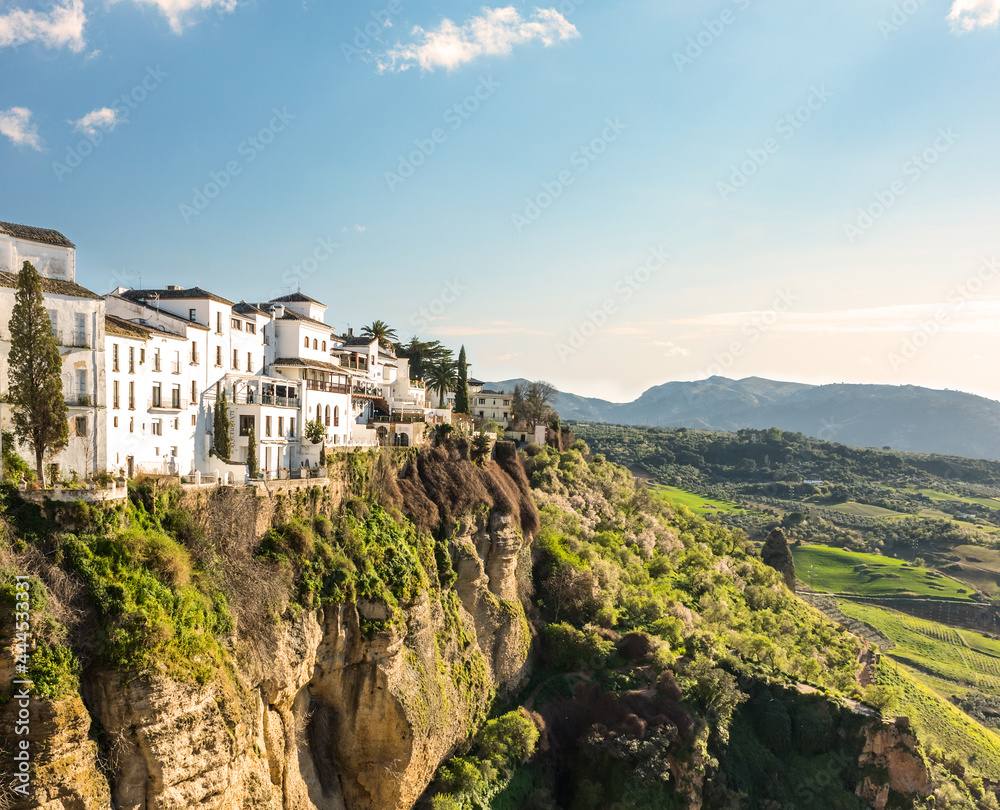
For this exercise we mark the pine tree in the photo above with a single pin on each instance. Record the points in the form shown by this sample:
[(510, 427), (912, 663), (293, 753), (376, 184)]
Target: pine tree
[(35, 372), (252, 465), (220, 427), (462, 386)]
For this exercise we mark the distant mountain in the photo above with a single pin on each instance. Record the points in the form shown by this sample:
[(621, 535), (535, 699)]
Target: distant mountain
[(901, 417)]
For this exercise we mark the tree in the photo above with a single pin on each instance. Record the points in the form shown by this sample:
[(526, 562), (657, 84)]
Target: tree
[(462, 385), (220, 427), (381, 330), (532, 403), (422, 355), (252, 465), (35, 372), (442, 377), (775, 553), (315, 431)]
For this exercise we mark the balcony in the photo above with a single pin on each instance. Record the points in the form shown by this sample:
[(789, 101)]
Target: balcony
[(175, 367), (329, 387), (194, 358), (366, 389), (282, 402), (160, 404), (73, 339), (79, 400)]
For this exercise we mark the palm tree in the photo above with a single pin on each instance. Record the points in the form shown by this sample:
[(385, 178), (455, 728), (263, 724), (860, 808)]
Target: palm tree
[(381, 330), (441, 376)]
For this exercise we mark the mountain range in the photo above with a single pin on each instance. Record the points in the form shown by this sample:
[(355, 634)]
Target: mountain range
[(906, 417)]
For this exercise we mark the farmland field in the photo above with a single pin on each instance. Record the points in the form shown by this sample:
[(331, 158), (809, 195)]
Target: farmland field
[(838, 571), (862, 510), (694, 502), (934, 495)]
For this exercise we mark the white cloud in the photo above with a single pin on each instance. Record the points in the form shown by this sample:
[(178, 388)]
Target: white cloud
[(967, 15), (176, 10), (17, 125), (62, 27), (104, 119), (495, 32)]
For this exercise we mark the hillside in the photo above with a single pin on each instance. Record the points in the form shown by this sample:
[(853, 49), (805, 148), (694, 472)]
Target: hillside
[(902, 417)]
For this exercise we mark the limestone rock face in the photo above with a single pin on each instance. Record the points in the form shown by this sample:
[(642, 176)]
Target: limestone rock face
[(332, 718), (892, 755)]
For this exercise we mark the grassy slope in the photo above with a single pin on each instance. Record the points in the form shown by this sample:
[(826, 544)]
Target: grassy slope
[(696, 503), (836, 570)]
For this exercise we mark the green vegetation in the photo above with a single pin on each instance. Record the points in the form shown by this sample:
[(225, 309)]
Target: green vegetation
[(696, 503), (839, 571), (221, 441)]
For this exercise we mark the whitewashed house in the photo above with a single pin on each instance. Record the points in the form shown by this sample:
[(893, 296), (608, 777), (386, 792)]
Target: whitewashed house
[(77, 317)]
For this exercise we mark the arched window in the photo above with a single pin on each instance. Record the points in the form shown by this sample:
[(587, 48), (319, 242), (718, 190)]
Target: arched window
[(324, 345), (319, 413), (336, 416), (305, 342), (328, 416), (315, 343)]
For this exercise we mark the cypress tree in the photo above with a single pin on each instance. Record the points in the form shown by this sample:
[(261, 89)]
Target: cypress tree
[(252, 465), (220, 427), (462, 387), (35, 372)]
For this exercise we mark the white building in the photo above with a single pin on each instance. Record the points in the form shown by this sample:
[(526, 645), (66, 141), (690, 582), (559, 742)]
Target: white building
[(77, 317)]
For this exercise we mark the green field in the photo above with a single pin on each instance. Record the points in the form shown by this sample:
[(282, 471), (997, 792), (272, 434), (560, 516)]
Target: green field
[(934, 495), (838, 571), (964, 659), (940, 724), (980, 567), (694, 502), (862, 510)]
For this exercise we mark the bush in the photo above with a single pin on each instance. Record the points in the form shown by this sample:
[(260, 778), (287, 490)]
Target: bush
[(509, 740), (570, 649), (884, 699)]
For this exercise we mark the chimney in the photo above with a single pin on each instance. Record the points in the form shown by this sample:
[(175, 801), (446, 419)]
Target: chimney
[(174, 287), (278, 310), (350, 331)]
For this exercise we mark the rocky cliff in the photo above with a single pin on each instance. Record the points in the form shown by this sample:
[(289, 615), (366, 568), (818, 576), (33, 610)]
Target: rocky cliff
[(324, 704)]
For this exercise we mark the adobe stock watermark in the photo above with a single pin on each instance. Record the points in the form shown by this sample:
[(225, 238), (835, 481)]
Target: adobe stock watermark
[(297, 273), (249, 150), (787, 127), (710, 31), (954, 302), (901, 14), (913, 171), (580, 160), (759, 324), (364, 37), (22, 697), (120, 108), (437, 306), (624, 290), (454, 117)]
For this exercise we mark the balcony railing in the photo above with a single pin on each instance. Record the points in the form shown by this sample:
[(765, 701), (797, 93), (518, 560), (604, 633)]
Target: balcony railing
[(79, 400), (366, 389), (194, 358), (175, 367), (331, 387), (164, 404), (72, 338), (284, 402)]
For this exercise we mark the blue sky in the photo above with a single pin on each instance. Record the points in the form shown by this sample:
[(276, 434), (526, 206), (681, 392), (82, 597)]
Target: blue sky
[(625, 193)]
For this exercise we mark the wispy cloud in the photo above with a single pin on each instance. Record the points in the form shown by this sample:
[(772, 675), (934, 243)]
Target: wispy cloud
[(17, 125), (176, 10), (60, 28), (967, 15), (104, 119), (494, 32), (506, 329)]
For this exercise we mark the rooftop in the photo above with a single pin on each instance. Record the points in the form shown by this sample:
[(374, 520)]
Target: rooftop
[(51, 285), (300, 363), (178, 293), (44, 235), (119, 326), (296, 297)]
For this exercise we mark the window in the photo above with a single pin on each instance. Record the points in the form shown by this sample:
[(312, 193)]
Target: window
[(319, 413), (114, 357), (251, 328), (81, 382), (236, 360), (237, 324), (116, 421), (156, 359), (194, 420), (194, 392), (54, 322), (177, 424), (131, 396), (175, 366), (482, 402), (291, 427), (328, 416), (506, 403), (131, 359), (324, 345), (481, 413), (246, 425), (114, 394), (142, 356), (267, 425), (157, 396), (249, 362), (156, 428), (81, 426), (218, 356), (131, 425), (192, 314), (194, 353), (305, 341), (175, 397), (79, 329), (315, 344), (281, 425), (218, 322), (336, 416)]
